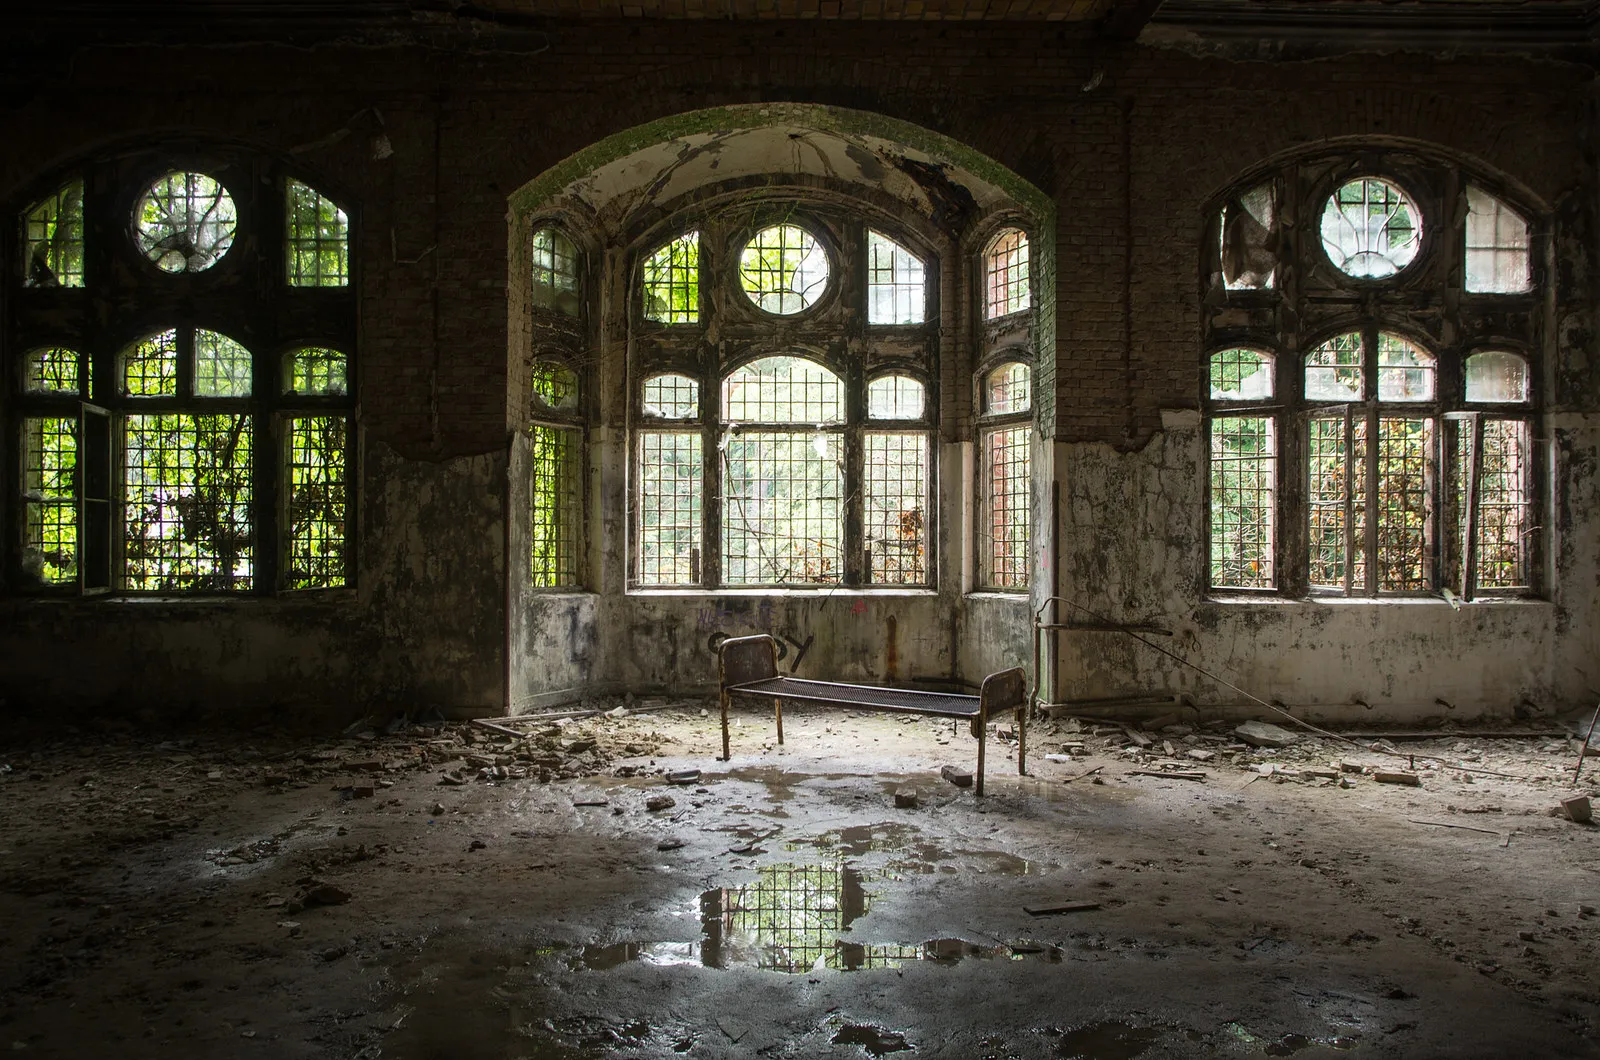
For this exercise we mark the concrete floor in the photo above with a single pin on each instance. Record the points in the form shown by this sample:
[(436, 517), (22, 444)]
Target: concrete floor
[(154, 899)]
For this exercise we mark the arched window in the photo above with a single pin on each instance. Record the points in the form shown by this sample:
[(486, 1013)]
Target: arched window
[(1005, 448), (781, 475), (556, 487), (1005, 274), (555, 271), (197, 455), (1415, 449)]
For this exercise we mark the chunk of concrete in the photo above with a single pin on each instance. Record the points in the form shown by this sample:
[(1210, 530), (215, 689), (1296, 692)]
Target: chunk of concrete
[(961, 778), (1578, 809), (1264, 734), (905, 798), (1410, 780)]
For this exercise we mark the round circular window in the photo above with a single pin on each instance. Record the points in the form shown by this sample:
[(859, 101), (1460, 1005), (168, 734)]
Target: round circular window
[(1371, 229), (185, 222), (783, 269)]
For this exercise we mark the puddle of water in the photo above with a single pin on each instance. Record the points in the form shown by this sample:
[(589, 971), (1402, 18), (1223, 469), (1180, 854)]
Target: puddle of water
[(873, 1040), (791, 919), (1109, 1040)]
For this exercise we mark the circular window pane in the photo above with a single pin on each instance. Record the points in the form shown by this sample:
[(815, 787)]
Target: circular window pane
[(1371, 229), (185, 222), (783, 269)]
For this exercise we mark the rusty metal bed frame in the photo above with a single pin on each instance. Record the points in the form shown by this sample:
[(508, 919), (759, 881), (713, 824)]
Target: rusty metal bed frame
[(749, 670)]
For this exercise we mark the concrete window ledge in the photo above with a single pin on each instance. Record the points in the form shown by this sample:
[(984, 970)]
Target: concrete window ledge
[(1020, 599), (1386, 601), (768, 594)]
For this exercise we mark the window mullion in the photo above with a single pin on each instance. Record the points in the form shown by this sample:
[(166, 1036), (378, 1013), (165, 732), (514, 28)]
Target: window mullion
[(1370, 506), (1474, 468), (716, 438)]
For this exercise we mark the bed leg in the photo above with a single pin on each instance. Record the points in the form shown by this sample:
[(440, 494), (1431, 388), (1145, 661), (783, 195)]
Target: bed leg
[(1022, 741), (777, 709), (983, 738), (726, 755)]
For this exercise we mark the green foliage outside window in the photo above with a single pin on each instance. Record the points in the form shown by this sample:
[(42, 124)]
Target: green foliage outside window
[(186, 503), (556, 505), (317, 502), (317, 244), (49, 490), (53, 230), (672, 282)]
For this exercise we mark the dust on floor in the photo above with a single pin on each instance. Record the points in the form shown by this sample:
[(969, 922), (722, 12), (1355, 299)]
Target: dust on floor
[(439, 891)]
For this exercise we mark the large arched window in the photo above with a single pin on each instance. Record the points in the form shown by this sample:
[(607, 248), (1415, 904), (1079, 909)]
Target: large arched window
[(1403, 420), (184, 406), (793, 448)]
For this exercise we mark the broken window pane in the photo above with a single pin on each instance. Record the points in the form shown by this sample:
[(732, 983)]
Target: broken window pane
[(1241, 375), (1006, 466), (316, 371), (1336, 501), (1497, 245), (896, 502), (1504, 521), (53, 234), (672, 397), (671, 470), (557, 505), (782, 390), (781, 508), (555, 271), (52, 370), (1005, 271), (49, 489), (150, 366), (1249, 240), (1333, 370), (317, 497), (1007, 389), (185, 222), (1243, 477), (1405, 474), (672, 282), (317, 240), (1370, 229), (896, 397), (186, 502), (1497, 375), (221, 366), (1405, 371), (555, 386), (783, 269), (896, 292)]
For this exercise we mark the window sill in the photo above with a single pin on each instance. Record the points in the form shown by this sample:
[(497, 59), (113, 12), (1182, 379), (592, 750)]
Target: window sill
[(879, 592), (1271, 600), (284, 599), (1020, 596)]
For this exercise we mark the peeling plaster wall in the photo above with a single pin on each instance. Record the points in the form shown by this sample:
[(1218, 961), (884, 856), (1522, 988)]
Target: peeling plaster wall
[(1134, 550)]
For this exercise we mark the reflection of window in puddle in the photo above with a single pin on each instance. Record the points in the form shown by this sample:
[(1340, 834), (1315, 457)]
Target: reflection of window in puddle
[(789, 919)]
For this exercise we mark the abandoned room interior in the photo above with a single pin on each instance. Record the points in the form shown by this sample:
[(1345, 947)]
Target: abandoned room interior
[(799, 528)]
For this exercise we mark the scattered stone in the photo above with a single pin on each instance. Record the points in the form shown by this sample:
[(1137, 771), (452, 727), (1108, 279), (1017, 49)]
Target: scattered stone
[(451, 779), (1346, 782), (591, 800), (1201, 756), (1410, 780), (669, 844), (961, 778), (1352, 767), (905, 798), (1578, 809), (660, 802), (437, 809), (324, 894), (1264, 734), (333, 953), (617, 712), (684, 776), (477, 844), (1139, 738)]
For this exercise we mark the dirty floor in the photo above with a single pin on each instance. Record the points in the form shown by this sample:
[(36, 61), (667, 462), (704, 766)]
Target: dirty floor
[(438, 891)]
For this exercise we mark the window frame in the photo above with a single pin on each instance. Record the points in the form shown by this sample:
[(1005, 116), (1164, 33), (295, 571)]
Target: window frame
[(1271, 409), (816, 333), (989, 424), (1327, 302), (244, 295)]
